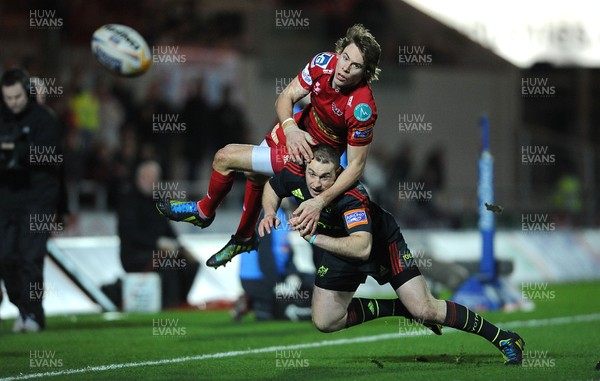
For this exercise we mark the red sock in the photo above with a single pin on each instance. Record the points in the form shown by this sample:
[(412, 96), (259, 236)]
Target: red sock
[(251, 211), (218, 188)]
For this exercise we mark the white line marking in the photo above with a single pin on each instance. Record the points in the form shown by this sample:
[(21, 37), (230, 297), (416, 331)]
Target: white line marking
[(325, 343)]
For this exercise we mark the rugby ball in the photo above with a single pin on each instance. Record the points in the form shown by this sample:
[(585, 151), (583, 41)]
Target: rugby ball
[(121, 49)]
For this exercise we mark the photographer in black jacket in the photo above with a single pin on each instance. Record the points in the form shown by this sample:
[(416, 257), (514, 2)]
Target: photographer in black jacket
[(30, 161)]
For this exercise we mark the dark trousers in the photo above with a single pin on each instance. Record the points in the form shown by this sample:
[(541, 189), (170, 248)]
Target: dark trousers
[(23, 240)]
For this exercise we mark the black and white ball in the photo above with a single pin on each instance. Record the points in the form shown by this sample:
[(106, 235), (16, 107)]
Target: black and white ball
[(121, 49)]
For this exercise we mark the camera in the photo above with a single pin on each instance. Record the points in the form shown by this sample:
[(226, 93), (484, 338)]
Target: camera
[(13, 140)]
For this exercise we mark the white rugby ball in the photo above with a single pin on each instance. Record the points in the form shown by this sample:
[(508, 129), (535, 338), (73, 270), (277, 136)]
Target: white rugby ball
[(121, 49)]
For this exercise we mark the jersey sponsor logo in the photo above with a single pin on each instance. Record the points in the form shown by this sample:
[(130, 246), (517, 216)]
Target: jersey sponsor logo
[(306, 75), (363, 133), (322, 59), (350, 100), (298, 194), (336, 110), (327, 71), (356, 217), (362, 112)]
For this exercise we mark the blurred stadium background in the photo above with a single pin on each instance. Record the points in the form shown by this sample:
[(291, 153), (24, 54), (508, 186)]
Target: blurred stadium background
[(219, 66)]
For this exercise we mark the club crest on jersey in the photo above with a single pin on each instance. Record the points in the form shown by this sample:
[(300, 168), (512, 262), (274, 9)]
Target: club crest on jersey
[(356, 217), (336, 110), (362, 112), (317, 88), (322, 59)]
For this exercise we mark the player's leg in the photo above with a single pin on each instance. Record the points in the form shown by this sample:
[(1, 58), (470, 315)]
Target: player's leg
[(330, 309), (228, 160), (335, 284), (245, 239), (415, 295)]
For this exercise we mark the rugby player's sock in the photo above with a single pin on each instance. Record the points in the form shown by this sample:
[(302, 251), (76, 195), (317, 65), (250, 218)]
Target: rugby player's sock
[(218, 188), (362, 310), (462, 318), (251, 210)]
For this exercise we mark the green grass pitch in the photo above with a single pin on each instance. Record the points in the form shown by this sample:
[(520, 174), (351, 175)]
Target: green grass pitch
[(562, 343)]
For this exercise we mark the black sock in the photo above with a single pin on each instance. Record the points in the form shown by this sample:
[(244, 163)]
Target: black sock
[(362, 310), (462, 318)]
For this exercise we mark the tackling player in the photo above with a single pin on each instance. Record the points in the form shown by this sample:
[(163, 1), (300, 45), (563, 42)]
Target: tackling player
[(356, 238), (341, 114)]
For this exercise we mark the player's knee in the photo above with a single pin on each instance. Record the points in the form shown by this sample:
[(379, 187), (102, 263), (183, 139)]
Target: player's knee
[(256, 178), (222, 157), (425, 312), (324, 326)]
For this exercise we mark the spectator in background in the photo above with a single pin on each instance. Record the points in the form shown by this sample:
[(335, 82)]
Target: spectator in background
[(146, 236), (85, 108), (200, 140), (30, 193), (432, 180), (153, 114)]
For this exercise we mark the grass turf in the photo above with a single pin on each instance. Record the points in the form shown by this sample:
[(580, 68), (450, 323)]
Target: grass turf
[(97, 348)]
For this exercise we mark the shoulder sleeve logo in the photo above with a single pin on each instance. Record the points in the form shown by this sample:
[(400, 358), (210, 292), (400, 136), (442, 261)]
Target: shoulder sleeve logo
[(362, 112), (355, 217), (306, 75)]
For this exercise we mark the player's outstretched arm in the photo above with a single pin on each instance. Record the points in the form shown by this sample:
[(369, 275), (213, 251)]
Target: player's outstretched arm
[(307, 214), (356, 246), (271, 203), (297, 141)]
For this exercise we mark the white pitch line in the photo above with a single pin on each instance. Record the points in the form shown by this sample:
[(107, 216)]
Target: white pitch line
[(325, 343)]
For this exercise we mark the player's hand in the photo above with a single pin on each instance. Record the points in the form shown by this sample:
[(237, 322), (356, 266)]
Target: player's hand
[(298, 144), (306, 216), (269, 221)]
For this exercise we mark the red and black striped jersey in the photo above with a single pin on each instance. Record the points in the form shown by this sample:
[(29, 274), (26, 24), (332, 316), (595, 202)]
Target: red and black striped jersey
[(350, 212)]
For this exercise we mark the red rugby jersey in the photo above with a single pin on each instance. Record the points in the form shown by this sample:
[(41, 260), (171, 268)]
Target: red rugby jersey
[(336, 117)]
